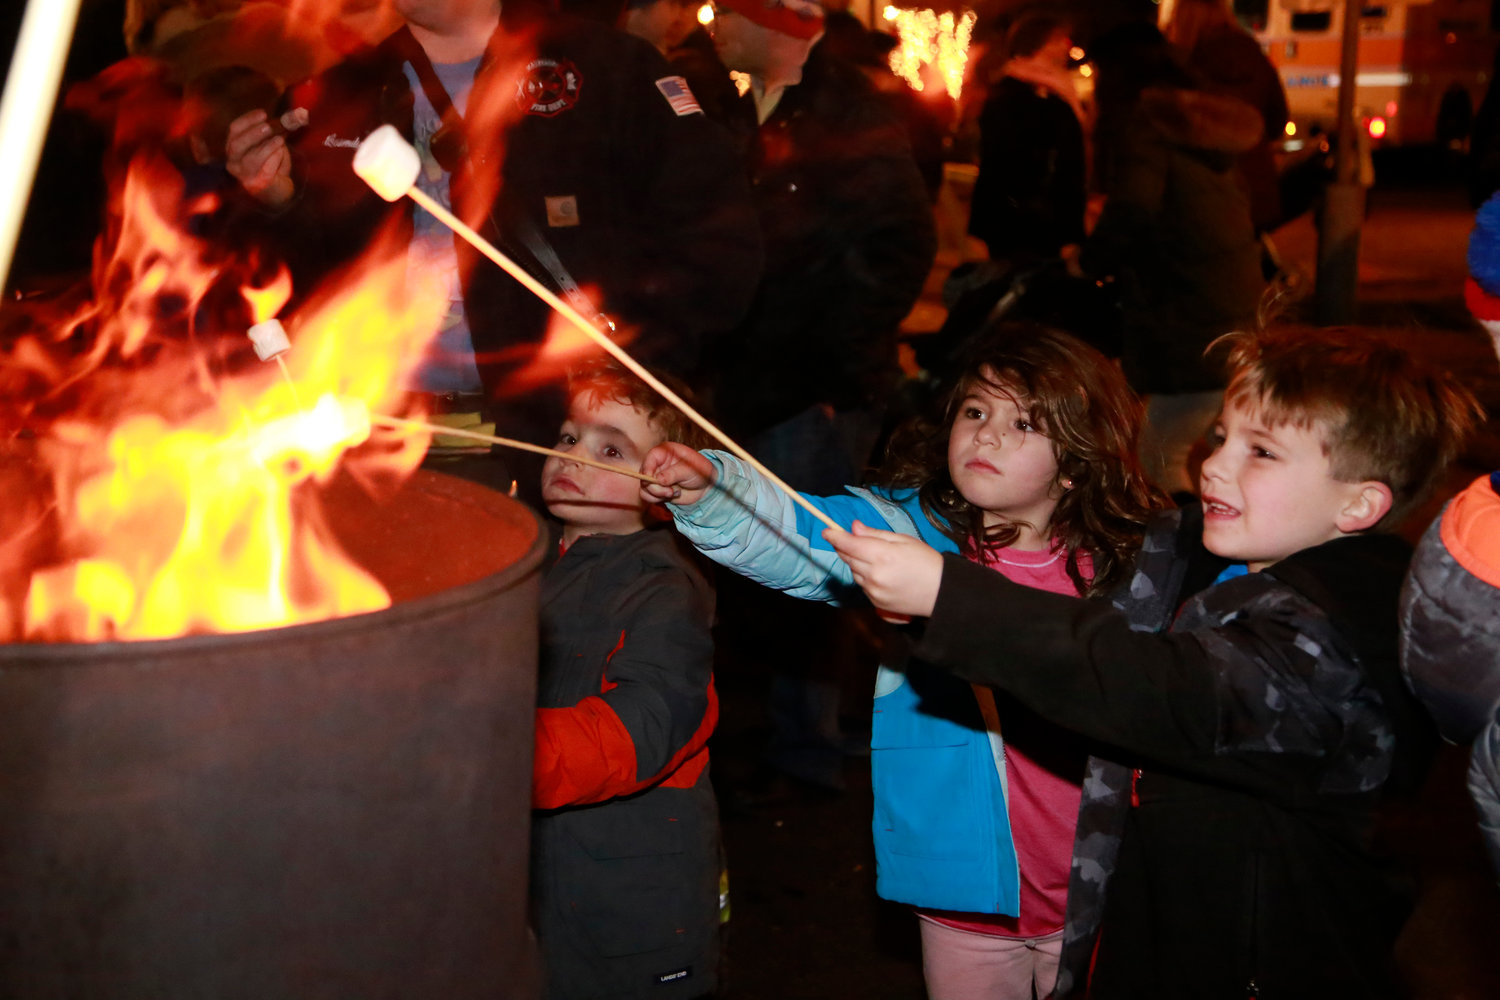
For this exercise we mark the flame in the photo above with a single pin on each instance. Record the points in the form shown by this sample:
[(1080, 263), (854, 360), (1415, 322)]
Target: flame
[(184, 475), (266, 301), (931, 40)]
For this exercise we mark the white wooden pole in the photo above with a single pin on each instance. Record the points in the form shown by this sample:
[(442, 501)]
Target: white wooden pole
[(26, 110)]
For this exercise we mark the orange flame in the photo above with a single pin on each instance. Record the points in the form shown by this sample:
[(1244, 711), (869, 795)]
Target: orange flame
[(265, 302), (186, 499), (931, 40)]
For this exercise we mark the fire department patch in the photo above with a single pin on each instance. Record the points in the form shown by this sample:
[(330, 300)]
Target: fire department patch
[(549, 87)]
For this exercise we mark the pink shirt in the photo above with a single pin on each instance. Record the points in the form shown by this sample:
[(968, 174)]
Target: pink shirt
[(1043, 804)]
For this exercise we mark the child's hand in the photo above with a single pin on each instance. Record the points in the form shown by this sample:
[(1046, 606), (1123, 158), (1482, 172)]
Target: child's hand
[(899, 574), (685, 472)]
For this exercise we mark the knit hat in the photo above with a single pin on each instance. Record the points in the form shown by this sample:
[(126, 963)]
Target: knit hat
[(797, 18), (1482, 289)]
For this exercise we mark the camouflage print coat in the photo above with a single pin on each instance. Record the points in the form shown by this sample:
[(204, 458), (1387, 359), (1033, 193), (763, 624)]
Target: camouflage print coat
[(1230, 853)]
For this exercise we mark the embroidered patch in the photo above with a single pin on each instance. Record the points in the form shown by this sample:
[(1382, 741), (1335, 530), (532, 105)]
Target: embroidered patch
[(562, 211), (678, 94), (675, 974), (549, 87)]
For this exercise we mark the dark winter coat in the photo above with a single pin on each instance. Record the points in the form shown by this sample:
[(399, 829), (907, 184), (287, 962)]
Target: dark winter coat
[(1230, 62), (1177, 235), (1029, 197), (570, 114), (625, 842), (849, 240), (1264, 724)]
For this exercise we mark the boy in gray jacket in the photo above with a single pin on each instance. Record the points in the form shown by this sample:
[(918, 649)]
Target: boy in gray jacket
[(625, 841)]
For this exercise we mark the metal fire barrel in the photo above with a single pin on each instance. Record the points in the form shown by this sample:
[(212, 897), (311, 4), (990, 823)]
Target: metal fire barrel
[(338, 809)]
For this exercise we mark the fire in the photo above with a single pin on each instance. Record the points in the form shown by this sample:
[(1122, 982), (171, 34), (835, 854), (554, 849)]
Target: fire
[(940, 41), (184, 475)]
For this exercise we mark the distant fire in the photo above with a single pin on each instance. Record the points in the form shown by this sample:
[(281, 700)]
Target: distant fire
[(929, 39)]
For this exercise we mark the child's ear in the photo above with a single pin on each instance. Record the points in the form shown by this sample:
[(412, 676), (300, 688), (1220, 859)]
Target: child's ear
[(1371, 503)]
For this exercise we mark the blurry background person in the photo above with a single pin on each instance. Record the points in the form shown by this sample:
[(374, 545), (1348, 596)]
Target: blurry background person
[(1175, 232), (672, 27), (1029, 197), (664, 23), (1227, 60), (804, 380)]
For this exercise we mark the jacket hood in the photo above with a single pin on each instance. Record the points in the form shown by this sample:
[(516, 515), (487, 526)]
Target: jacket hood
[(1211, 122)]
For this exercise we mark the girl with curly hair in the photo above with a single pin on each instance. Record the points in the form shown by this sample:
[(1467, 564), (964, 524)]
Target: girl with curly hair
[(1032, 471)]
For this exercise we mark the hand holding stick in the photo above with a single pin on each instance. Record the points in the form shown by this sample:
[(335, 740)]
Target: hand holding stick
[(681, 474), (900, 575), (389, 164)]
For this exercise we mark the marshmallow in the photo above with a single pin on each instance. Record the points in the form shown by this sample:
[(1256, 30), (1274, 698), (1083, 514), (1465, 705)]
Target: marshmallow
[(339, 420), (387, 162), (270, 339)]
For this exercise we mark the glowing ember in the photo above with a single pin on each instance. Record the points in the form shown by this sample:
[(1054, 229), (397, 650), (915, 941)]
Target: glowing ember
[(184, 473), (929, 39)]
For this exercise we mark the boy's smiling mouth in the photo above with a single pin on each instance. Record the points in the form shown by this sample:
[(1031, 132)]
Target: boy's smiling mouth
[(1214, 507)]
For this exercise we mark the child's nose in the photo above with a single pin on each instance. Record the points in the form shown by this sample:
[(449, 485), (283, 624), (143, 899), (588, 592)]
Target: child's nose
[(1213, 466)]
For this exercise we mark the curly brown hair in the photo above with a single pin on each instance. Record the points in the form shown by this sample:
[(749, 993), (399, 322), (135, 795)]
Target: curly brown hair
[(1079, 399)]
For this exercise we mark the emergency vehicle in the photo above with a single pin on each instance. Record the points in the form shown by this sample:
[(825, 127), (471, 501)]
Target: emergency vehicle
[(1424, 65)]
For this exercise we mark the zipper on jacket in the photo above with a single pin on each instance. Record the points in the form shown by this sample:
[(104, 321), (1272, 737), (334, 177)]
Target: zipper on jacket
[(1135, 796), (1252, 947)]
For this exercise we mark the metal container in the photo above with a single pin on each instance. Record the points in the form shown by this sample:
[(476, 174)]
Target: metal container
[(338, 809)]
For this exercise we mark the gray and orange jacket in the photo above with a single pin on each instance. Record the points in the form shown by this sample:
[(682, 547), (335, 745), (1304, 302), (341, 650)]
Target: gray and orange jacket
[(1450, 638), (625, 838)]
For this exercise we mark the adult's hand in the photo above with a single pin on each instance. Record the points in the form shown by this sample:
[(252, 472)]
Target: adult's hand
[(256, 154)]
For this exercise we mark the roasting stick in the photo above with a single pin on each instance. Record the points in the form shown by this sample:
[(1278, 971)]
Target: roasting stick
[(400, 424), (26, 109), (389, 164), (272, 344)]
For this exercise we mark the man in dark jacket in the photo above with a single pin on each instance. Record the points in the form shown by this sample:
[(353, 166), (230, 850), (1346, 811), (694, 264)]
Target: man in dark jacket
[(848, 231), (849, 239), (1265, 722), (576, 151)]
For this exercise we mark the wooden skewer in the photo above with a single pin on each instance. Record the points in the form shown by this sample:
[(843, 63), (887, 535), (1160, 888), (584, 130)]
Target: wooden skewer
[(401, 424), (36, 66), (573, 316)]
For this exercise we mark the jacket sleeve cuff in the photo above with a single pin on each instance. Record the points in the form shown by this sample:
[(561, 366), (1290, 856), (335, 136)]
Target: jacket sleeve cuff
[(972, 603), (723, 506)]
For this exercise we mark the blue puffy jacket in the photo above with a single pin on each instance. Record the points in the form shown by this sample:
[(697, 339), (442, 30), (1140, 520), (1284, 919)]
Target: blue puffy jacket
[(942, 831)]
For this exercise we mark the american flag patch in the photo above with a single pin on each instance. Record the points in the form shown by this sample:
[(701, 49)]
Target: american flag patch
[(675, 89)]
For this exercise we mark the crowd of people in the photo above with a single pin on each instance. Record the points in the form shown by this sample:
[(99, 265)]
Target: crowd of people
[(1144, 699)]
